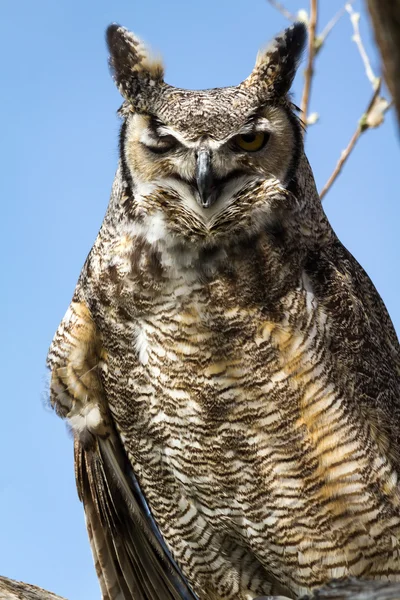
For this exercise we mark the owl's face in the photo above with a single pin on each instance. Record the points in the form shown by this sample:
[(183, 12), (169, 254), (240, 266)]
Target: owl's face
[(196, 158)]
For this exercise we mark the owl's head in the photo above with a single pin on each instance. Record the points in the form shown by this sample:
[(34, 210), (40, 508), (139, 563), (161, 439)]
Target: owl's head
[(207, 162)]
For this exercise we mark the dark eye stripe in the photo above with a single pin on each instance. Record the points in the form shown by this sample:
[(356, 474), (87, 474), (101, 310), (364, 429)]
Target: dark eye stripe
[(154, 127), (162, 144), (160, 148)]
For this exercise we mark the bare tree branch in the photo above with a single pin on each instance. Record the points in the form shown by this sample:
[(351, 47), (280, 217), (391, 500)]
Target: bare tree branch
[(355, 18), (339, 166), (286, 13), (309, 72), (329, 26), (377, 107), (372, 117)]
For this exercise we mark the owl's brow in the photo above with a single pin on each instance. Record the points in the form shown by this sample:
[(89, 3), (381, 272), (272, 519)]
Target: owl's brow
[(156, 124), (252, 118)]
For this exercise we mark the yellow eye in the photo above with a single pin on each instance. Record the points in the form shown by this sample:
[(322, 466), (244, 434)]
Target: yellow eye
[(251, 142)]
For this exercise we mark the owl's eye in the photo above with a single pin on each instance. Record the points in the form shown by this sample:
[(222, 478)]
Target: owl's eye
[(162, 144), (251, 142)]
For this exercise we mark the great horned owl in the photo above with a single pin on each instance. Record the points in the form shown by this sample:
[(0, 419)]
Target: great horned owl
[(228, 370)]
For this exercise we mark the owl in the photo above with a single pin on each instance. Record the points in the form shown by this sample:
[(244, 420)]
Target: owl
[(228, 370)]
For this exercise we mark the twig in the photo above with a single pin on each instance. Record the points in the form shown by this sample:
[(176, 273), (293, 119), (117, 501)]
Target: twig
[(363, 125), (343, 157), (354, 18), (279, 6), (309, 72), (329, 26), (377, 107)]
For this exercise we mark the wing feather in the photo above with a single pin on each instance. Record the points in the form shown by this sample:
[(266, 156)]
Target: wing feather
[(131, 558)]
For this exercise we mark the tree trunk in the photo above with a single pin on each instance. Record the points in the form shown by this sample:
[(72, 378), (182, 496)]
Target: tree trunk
[(385, 16)]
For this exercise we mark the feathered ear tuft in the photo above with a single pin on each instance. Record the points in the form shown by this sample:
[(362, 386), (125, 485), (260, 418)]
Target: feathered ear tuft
[(276, 66), (134, 71)]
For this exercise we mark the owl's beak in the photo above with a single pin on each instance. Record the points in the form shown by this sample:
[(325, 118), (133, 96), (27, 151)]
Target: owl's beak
[(205, 179)]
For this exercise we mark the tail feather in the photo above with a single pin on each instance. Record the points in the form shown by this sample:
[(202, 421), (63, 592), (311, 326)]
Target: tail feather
[(131, 558)]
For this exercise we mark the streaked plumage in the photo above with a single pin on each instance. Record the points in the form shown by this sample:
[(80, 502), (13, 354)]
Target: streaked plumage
[(229, 371)]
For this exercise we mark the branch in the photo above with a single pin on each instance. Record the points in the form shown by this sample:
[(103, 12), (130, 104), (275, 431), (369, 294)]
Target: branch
[(309, 72), (329, 26), (286, 13), (355, 18), (377, 107), (15, 590), (343, 158), (372, 117)]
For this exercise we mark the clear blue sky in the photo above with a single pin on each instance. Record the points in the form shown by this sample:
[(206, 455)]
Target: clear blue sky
[(58, 157)]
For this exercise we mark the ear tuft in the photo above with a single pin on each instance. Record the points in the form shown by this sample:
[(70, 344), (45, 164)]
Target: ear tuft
[(132, 67), (276, 66)]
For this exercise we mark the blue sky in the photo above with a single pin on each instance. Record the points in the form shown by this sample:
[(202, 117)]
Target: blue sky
[(59, 153)]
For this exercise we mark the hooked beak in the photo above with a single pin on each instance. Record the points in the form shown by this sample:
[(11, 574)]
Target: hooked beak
[(205, 179)]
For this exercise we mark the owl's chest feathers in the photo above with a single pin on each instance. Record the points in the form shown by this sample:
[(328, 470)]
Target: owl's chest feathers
[(222, 349), (219, 345), (194, 324), (230, 394)]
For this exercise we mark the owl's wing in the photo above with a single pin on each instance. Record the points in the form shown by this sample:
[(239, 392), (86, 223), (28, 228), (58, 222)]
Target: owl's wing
[(130, 556), (132, 561), (364, 343)]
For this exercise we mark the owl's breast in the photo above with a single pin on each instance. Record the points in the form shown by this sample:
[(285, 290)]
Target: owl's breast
[(194, 373), (234, 412)]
